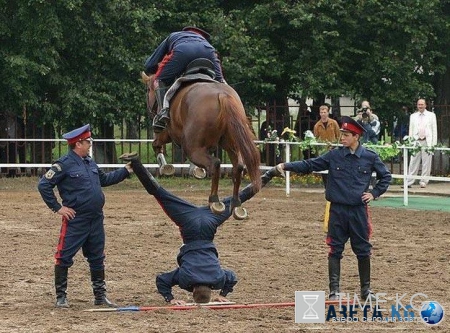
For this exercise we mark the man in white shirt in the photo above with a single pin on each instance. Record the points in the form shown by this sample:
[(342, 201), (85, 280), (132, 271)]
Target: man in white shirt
[(423, 128)]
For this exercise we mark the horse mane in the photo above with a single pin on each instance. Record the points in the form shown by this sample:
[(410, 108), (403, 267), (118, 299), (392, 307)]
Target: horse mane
[(240, 137)]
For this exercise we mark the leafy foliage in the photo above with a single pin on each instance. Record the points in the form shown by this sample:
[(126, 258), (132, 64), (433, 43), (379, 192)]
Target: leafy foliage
[(78, 61)]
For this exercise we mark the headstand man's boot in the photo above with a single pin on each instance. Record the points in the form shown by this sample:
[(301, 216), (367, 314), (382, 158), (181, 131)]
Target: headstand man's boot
[(364, 278), (248, 191), (334, 273), (99, 289), (61, 286), (145, 177), (161, 118), (269, 174)]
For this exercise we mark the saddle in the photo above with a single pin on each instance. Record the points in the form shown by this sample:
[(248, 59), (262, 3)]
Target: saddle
[(198, 70), (200, 66)]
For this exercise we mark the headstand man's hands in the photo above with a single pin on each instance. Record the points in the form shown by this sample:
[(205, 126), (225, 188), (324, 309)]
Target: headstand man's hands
[(221, 299), (280, 170), (178, 302)]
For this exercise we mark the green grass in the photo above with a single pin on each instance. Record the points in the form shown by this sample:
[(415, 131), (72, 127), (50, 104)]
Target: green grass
[(174, 183), (415, 202)]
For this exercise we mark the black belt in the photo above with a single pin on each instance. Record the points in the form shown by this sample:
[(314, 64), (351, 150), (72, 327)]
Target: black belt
[(423, 139)]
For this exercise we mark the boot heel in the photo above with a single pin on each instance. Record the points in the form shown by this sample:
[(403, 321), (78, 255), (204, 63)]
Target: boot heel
[(99, 289)]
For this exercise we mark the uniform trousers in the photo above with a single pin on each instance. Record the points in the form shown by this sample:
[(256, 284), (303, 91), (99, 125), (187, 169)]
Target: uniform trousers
[(349, 222), (82, 232)]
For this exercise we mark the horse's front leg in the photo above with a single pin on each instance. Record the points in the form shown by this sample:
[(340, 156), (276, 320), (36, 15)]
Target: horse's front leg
[(197, 172), (164, 168)]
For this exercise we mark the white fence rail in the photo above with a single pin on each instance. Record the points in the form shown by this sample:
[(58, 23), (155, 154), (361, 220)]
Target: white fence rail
[(287, 158)]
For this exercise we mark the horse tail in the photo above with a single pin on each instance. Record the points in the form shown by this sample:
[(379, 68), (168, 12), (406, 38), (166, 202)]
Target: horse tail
[(240, 136)]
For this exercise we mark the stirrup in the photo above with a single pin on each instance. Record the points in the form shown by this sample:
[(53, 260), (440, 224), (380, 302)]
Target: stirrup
[(160, 120), (163, 115), (158, 124)]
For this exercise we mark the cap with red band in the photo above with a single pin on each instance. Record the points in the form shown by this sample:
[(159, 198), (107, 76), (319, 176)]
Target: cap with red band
[(79, 134), (202, 32), (351, 125)]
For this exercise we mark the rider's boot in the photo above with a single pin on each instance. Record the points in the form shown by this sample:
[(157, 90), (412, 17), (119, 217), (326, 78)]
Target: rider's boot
[(161, 118)]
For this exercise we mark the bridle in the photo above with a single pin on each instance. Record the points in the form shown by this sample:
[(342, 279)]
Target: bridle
[(151, 107)]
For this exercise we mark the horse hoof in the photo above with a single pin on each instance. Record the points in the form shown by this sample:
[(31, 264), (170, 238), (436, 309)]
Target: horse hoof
[(167, 170), (240, 213), (199, 173), (217, 207)]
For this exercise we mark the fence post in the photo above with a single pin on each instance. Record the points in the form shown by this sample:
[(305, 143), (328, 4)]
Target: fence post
[(405, 176), (288, 159)]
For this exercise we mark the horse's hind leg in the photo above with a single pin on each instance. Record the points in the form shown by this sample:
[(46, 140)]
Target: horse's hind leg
[(239, 212), (208, 162), (215, 204)]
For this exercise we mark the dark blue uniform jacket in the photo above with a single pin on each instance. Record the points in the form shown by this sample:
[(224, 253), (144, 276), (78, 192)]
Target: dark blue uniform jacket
[(348, 174), (79, 183)]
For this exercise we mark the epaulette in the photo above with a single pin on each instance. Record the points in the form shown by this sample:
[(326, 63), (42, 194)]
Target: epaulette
[(371, 150), (57, 166), (62, 159)]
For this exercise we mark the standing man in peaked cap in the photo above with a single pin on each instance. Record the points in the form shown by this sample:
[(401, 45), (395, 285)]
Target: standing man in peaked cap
[(349, 171), (79, 181)]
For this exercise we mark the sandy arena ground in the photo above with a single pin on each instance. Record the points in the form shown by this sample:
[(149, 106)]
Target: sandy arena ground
[(278, 250)]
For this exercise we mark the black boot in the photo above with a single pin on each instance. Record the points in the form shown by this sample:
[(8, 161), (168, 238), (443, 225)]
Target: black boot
[(99, 288), (269, 174), (334, 273), (61, 286), (161, 118), (364, 278), (145, 177), (248, 191)]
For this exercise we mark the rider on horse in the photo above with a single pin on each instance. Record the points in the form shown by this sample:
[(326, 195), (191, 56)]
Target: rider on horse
[(170, 60)]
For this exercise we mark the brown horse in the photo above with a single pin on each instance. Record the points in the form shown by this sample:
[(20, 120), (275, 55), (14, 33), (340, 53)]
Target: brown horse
[(203, 117)]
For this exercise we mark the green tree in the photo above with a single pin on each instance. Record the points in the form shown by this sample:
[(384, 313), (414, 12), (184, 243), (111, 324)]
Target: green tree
[(76, 61), (368, 49)]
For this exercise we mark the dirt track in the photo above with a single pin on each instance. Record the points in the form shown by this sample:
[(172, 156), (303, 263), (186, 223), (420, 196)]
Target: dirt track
[(279, 250)]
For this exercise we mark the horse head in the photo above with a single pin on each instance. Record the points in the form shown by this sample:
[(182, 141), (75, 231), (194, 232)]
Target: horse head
[(149, 80)]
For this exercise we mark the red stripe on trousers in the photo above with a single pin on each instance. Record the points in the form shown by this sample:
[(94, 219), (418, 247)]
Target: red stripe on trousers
[(167, 58), (62, 237), (369, 222)]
